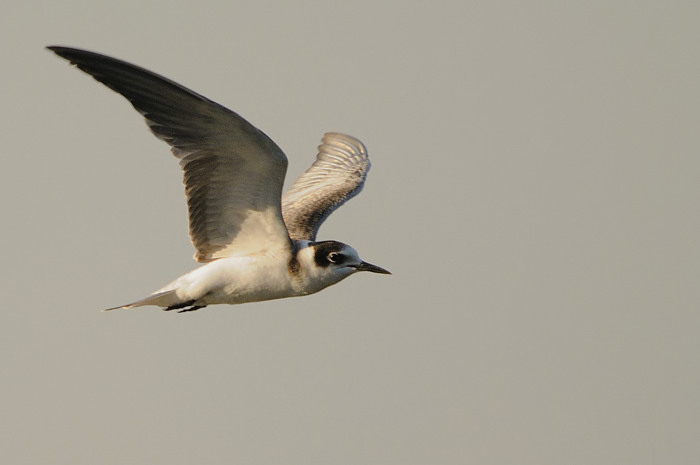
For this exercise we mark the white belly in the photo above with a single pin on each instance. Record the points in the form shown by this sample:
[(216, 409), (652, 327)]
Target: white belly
[(237, 280)]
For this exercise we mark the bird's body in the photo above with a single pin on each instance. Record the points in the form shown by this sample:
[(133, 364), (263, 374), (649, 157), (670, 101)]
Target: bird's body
[(255, 243), (265, 275)]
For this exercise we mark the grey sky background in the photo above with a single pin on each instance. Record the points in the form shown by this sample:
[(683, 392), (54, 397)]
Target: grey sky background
[(534, 190)]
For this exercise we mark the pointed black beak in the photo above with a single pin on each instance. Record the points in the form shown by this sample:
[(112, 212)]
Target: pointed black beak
[(364, 266)]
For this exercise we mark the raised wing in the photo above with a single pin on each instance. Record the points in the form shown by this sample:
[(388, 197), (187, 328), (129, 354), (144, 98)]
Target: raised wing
[(233, 172), (336, 176)]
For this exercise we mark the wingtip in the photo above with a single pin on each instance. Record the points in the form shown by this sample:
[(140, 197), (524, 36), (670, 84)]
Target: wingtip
[(61, 51), (57, 49), (71, 53), (339, 140)]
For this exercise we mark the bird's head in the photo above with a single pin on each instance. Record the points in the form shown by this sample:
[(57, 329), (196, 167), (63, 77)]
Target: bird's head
[(328, 262)]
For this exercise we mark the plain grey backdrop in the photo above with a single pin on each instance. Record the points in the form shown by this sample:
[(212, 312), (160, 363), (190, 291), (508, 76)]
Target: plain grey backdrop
[(534, 190)]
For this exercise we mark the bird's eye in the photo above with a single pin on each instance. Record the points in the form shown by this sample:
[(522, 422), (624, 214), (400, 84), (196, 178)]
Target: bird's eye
[(333, 257)]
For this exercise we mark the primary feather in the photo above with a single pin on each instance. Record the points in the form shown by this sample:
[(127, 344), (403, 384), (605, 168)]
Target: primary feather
[(337, 175)]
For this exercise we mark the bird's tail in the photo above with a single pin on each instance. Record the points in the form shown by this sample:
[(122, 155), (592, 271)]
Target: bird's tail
[(161, 299)]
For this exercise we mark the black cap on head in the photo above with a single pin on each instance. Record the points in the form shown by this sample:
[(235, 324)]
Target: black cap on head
[(327, 252)]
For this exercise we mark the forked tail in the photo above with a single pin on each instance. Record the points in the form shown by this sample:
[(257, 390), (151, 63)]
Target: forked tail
[(163, 299)]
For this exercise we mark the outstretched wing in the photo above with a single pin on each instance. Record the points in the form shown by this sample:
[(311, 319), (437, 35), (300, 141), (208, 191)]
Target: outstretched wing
[(233, 172), (336, 176)]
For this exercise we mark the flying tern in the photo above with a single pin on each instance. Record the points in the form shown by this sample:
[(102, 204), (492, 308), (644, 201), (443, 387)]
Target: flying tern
[(255, 243)]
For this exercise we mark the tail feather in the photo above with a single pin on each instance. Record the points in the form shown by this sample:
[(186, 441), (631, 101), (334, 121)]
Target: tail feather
[(161, 299)]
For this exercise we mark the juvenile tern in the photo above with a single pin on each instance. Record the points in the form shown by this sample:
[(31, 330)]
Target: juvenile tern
[(255, 243)]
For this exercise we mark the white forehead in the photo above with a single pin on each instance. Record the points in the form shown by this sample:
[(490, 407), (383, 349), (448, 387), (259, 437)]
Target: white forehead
[(350, 252)]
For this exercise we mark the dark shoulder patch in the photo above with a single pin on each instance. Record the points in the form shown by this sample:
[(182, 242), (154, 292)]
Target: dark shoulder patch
[(323, 249), (293, 265)]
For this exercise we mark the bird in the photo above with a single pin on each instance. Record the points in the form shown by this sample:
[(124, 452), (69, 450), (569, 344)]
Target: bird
[(253, 243)]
